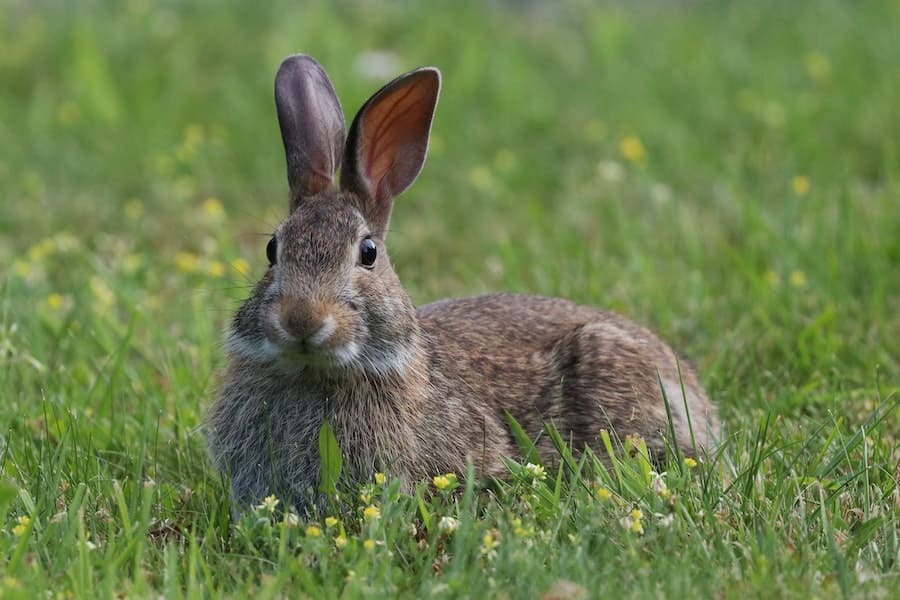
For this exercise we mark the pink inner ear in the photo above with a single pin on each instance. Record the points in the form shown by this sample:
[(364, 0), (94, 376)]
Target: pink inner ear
[(395, 136)]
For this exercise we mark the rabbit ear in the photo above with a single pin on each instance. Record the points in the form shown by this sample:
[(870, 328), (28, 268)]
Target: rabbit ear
[(312, 125), (388, 140)]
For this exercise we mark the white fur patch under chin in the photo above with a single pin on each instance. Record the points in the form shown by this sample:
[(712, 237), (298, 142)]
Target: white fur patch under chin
[(325, 331), (239, 345), (390, 362)]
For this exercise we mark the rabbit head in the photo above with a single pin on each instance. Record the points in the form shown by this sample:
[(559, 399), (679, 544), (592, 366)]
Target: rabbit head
[(330, 298)]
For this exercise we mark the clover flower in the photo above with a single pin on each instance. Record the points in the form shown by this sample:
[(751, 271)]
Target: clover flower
[(268, 504), (448, 524), (537, 472), (21, 526), (658, 485), (489, 544), (634, 521)]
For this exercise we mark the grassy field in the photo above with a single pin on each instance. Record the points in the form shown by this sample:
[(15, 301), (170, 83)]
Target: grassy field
[(727, 173)]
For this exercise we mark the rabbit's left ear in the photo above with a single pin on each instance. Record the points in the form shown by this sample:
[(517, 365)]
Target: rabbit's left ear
[(388, 141)]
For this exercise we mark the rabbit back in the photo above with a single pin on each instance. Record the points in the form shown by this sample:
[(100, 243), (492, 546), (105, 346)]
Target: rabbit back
[(549, 360)]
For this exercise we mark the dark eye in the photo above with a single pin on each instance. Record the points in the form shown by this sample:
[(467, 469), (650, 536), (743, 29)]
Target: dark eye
[(367, 252), (272, 250)]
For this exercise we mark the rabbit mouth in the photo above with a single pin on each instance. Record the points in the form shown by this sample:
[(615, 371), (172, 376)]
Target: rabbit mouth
[(342, 357)]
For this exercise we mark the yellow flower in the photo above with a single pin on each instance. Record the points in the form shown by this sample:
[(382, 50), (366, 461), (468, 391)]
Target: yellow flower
[(633, 521), (331, 521), (42, 250), (216, 269), (340, 541), (193, 133), (800, 185), (481, 178), (798, 279), (489, 544), (11, 583), (690, 463), (442, 482), (380, 478), (213, 208), (818, 67), (23, 269), (603, 493), (369, 545), (313, 531), (371, 512), (55, 301), (102, 293), (22, 525), (241, 266), (134, 209), (187, 262), (632, 148)]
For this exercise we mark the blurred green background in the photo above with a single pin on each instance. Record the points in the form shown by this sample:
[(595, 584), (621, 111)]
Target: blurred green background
[(725, 172), (684, 162)]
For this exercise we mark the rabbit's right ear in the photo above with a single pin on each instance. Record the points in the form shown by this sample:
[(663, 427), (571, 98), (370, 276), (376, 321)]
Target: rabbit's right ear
[(312, 126)]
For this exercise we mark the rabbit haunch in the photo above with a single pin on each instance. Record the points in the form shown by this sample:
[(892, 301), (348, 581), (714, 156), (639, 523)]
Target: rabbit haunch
[(330, 335)]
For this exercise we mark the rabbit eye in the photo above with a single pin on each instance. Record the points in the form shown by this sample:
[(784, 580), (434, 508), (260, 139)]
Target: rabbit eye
[(272, 250), (367, 252)]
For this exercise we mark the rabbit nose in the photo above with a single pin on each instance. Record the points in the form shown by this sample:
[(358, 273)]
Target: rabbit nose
[(306, 322)]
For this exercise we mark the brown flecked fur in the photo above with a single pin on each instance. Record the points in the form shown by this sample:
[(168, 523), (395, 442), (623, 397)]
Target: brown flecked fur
[(414, 393)]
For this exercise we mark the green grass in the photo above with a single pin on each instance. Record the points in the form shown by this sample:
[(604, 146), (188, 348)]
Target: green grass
[(756, 226)]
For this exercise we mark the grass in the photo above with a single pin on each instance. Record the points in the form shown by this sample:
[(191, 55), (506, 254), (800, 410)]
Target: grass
[(727, 173)]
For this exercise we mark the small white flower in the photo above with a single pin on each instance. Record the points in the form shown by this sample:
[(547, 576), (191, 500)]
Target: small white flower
[(448, 524), (611, 171), (536, 471), (658, 484), (268, 504), (291, 519), (665, 520)]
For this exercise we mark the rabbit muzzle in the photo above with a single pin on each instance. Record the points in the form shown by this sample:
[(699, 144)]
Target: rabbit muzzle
[(304, 327)]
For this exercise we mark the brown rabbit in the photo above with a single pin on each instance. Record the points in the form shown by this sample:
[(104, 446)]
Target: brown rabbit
[(329, 333)]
